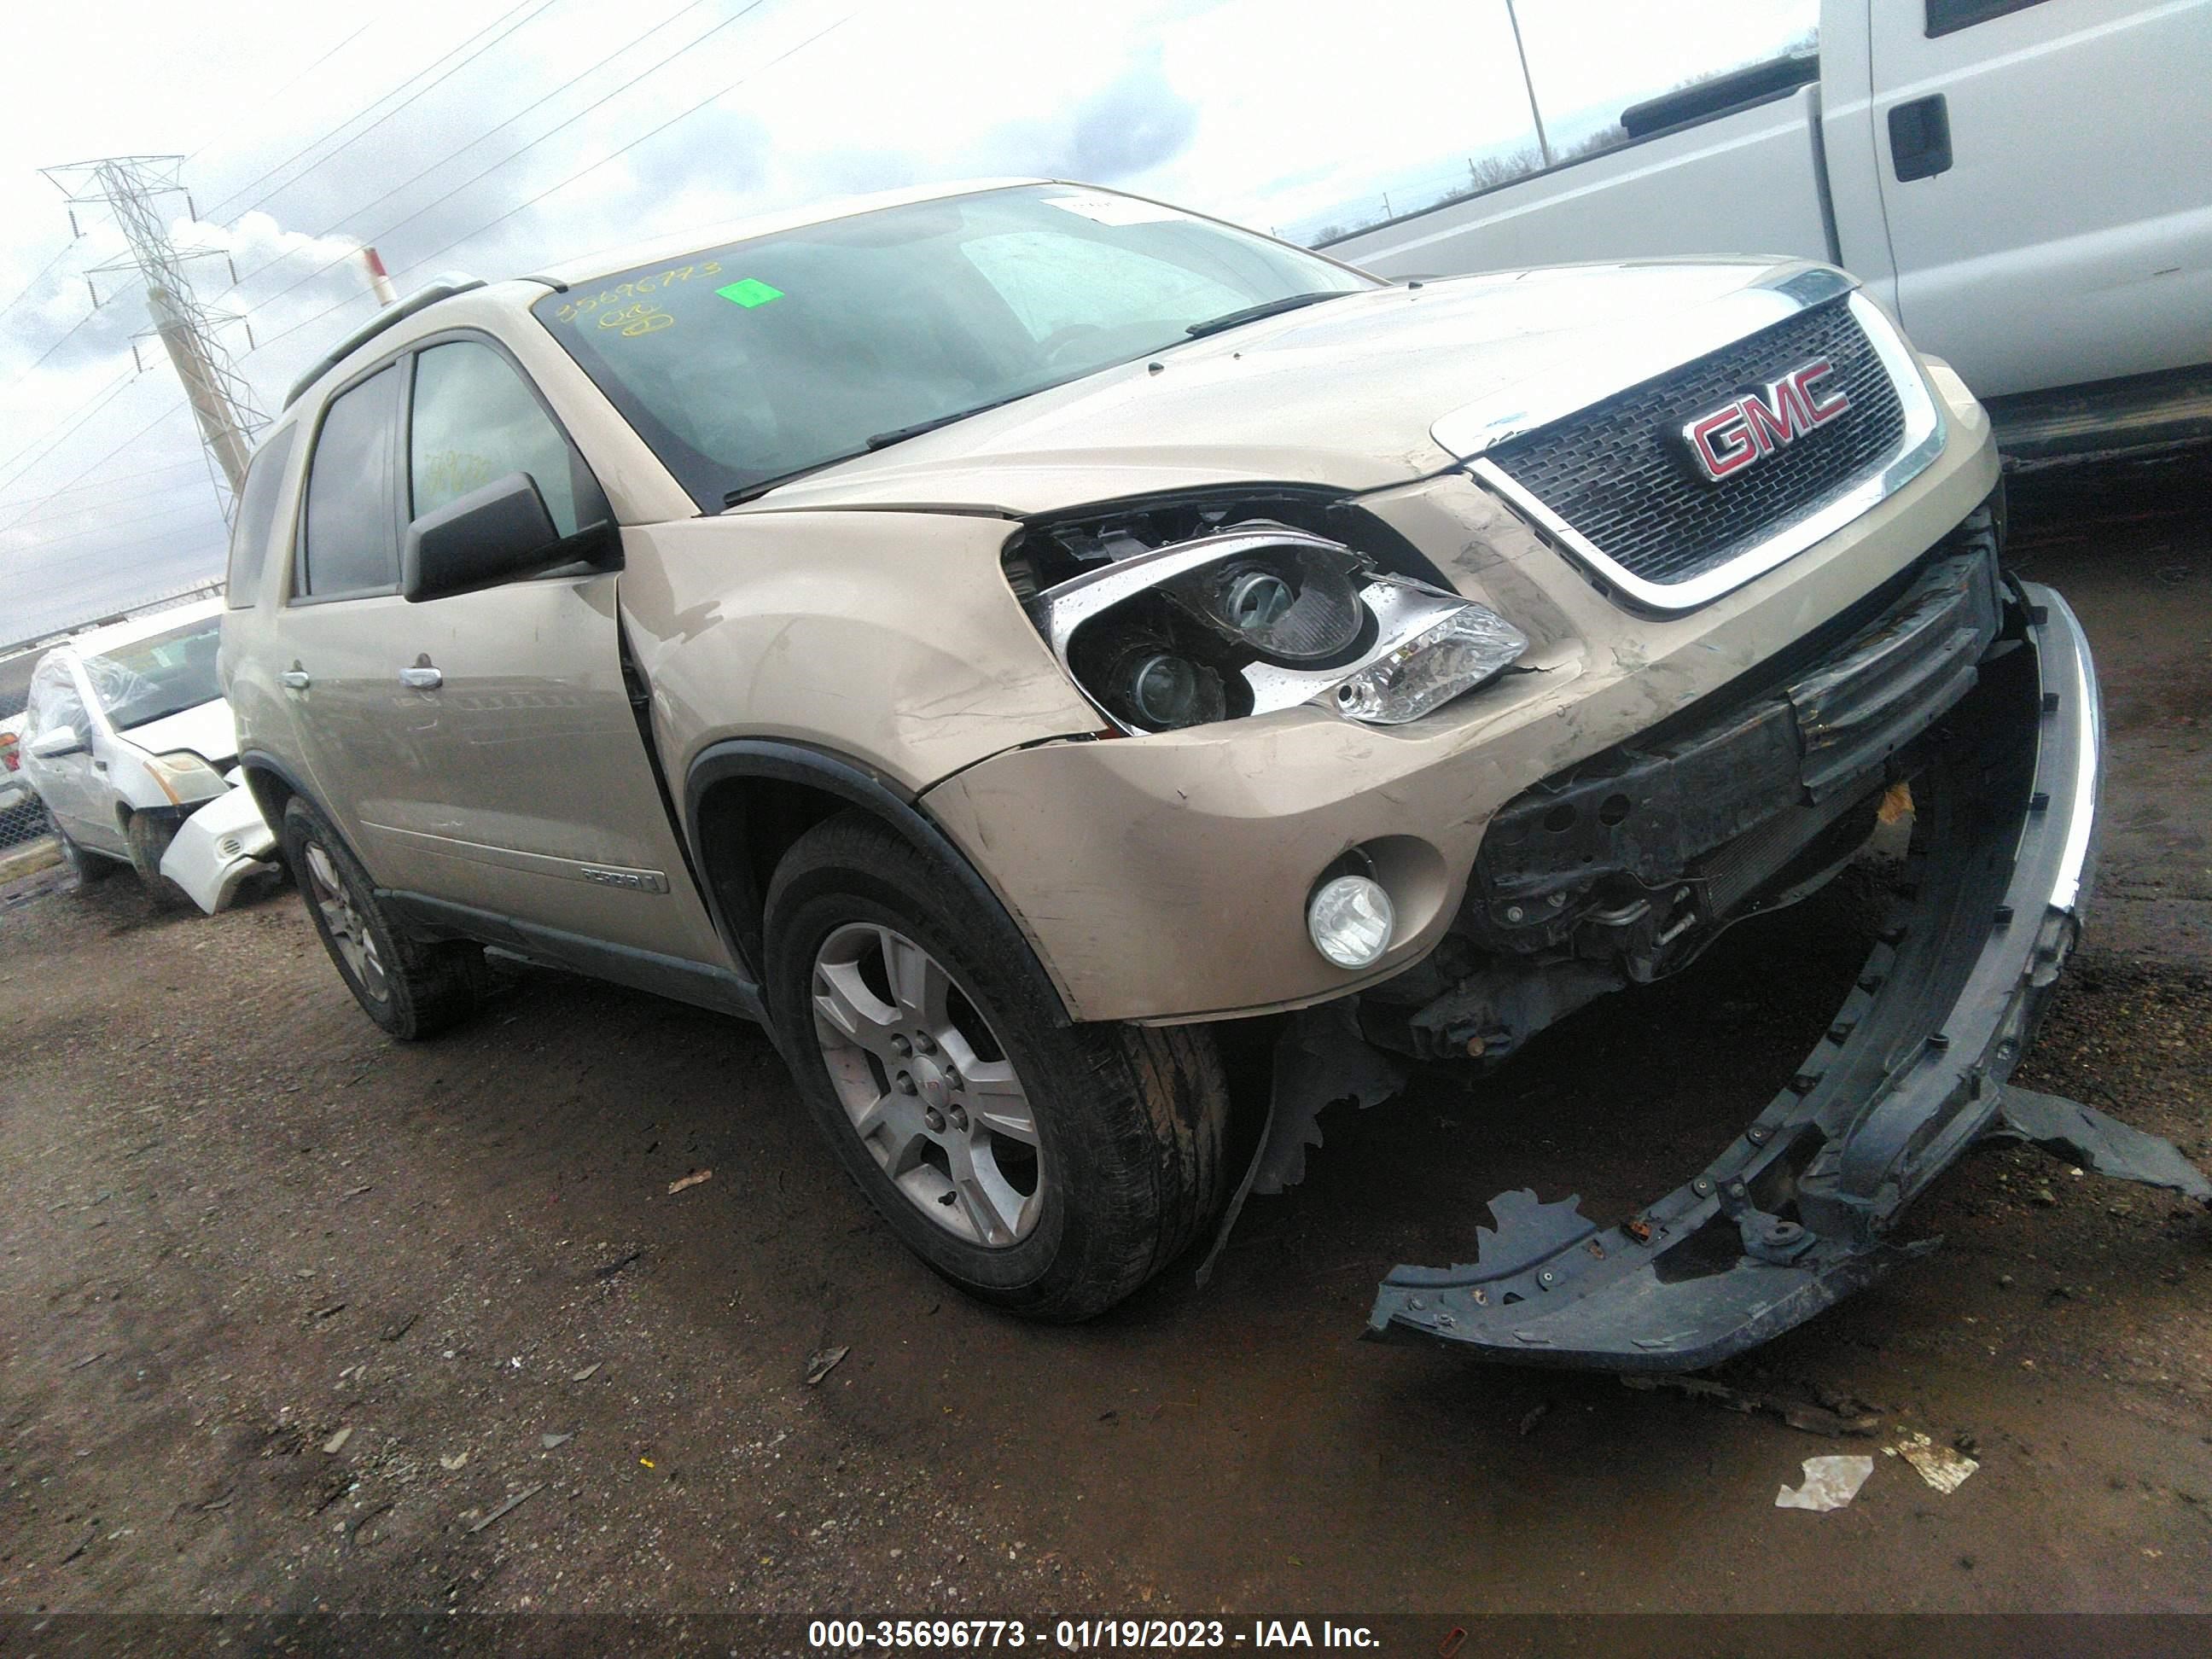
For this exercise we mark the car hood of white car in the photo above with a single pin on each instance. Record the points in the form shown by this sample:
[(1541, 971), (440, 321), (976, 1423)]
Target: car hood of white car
[(207, 731)]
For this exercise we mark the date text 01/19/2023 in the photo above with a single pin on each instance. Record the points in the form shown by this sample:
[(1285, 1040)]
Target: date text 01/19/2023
[(1083, 1635)]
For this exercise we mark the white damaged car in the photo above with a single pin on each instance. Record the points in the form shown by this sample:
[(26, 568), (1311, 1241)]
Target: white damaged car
[(128, 741)]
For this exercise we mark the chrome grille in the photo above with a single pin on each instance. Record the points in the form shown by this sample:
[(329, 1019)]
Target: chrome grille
[(1613, 473)]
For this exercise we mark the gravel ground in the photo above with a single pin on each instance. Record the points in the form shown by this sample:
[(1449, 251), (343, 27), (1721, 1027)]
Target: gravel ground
[(299, 1318)]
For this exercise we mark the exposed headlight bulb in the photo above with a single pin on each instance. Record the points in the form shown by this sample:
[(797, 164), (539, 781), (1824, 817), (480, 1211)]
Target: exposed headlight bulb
[(1169, 692), (1257, 600)]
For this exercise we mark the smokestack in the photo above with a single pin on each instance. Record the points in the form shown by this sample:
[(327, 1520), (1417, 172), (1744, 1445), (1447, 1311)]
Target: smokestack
[(379, 279)]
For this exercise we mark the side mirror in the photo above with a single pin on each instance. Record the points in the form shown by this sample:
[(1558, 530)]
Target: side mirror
[(500, 534), (62, 741)]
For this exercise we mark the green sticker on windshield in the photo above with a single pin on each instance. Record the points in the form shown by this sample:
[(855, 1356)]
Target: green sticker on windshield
[(750, 293)]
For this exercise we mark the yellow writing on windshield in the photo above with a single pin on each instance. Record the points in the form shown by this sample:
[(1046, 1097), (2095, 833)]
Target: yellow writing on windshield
[(624, 294)]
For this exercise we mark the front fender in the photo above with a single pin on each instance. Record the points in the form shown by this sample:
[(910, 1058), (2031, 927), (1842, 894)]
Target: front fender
[(890, 637)]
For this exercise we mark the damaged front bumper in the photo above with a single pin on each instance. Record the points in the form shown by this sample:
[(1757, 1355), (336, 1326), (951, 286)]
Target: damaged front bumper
[(1794, 1214), (218, 848)]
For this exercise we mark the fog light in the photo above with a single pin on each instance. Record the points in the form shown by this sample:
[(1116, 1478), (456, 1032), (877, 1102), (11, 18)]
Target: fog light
[(1350, 920)]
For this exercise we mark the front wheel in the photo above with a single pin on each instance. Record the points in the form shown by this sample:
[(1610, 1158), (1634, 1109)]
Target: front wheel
[(1048, 1169), (411, 989), (149, 838)]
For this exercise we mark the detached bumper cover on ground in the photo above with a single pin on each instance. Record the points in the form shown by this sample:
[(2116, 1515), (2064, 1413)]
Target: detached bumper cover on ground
[(1792, 1216)]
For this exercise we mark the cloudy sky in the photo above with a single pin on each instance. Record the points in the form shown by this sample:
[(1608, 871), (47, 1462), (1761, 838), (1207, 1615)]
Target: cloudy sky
[(494, 135)]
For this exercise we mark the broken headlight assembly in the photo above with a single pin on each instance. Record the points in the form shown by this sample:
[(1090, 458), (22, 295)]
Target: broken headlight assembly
[(1258, 615)]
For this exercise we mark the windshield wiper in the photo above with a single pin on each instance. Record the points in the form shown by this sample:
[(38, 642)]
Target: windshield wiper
[(899, 435), (882, 440), (761, 486), (1265, 309), (138, 721)]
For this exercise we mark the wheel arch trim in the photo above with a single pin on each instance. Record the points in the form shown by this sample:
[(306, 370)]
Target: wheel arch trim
[(727, 890)]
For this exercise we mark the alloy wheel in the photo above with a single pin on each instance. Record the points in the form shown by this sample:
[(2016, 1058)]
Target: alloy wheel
[(926, 1085), (342, 920)]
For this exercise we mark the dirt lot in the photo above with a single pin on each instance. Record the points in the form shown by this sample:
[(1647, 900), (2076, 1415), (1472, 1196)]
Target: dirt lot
[(292, 1311)]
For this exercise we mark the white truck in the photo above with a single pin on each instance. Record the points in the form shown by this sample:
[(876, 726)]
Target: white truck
[(2027, 184)]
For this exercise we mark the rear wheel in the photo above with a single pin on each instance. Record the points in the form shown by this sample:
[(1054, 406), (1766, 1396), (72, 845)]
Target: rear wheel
[(1048, 1169), (411, 989), (87, 867)]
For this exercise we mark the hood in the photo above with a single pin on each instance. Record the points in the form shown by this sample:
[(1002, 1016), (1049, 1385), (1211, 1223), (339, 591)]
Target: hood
[(207, 731), (1343, 393)]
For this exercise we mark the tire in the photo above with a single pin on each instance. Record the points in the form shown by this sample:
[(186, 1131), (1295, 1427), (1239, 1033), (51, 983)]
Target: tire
[(87, 867), (149, 838), (409, 988), (1124, 1153)]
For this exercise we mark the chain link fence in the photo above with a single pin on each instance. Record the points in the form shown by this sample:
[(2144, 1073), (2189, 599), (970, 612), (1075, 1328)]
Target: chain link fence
[(22, 819)]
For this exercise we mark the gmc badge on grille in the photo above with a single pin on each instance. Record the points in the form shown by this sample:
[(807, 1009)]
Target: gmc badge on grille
[(1723, 441)]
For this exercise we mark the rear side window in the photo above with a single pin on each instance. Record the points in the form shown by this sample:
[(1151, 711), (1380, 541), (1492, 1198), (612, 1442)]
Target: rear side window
[(475, 421), (1949, 16), (257, 519), (352, 543)]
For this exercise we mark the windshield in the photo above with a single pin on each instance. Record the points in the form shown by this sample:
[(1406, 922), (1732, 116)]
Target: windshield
[(151, 679), (745, 364)]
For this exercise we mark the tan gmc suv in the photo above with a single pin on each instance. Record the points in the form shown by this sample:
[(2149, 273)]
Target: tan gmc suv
[(993, 636)]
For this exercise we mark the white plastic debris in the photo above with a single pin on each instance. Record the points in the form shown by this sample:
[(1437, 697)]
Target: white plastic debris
[(1831, 1483), (1940, 1467)]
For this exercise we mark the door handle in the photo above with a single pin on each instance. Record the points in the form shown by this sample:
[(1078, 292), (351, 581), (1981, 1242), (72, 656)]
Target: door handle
[(1920, 138), (294, 679), (422, 677)]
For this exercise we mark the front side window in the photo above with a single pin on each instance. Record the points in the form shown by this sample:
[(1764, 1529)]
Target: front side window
[(152, 678), (745, 364), (476, 422), (256, 518), (352, 543), (54, 702)]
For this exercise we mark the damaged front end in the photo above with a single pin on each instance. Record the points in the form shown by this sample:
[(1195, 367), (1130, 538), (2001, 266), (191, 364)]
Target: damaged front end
[(218, 848), (1976, 694)]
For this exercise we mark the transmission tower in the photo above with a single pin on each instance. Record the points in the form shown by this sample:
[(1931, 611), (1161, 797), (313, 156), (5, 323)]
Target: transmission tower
[(222, 403)]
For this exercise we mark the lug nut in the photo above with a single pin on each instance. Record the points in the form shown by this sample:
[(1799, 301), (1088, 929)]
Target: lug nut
[(959, 1118), (901, 1046), (922, 1044), (951, 1079), (905, 1084), (1514, 913), (935, 1119)]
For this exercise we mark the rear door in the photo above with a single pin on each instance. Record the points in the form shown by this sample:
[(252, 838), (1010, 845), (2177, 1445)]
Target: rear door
[(2042, 173), (520, 783), (340, 694)]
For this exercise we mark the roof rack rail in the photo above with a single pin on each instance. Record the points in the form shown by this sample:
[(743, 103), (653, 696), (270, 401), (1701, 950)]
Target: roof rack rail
[(440, 288)]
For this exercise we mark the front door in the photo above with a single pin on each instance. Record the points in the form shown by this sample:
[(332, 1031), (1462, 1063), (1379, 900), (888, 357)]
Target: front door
[(74, 793), (2043, 168), (509, 775)]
